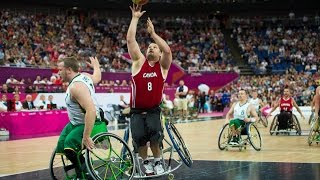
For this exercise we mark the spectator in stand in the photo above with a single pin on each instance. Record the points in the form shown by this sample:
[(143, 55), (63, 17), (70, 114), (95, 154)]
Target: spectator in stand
[(4, 88), (21, 81), (18, 104), (12, 80), (46, 81), (3, 103), (28, 104), (38, 80), (30, 89), (16, 90)]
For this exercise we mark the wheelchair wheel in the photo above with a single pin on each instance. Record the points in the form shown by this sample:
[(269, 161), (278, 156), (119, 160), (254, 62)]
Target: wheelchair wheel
[(264, 121), (274, 125), (254, 136), (60, 167), (224, 137), (106, 160), (314, 133), (311, 118), (179, 144), (296, 124)]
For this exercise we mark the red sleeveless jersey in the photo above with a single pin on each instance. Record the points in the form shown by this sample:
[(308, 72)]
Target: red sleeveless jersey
[(286, 105), (147, 87)]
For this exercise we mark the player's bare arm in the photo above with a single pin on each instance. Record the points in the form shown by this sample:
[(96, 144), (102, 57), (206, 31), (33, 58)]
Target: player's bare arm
[(132, 44), (80, 93), (95, 65)]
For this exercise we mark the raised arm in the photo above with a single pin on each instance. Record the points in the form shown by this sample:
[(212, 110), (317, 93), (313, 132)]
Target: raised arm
[(133, 47), (80, 92), (166, 57), (96, 76)]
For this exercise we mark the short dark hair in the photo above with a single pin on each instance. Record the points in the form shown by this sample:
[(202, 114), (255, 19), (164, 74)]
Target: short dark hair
[(71, 62), (244, 91)]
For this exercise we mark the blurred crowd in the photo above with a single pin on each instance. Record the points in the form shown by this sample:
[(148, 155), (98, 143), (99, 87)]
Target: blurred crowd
[(40, 40), (279, 45)]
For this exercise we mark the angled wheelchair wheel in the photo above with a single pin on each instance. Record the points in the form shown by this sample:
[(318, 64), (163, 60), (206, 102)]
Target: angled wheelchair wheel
[(274, 125), (296, 124), (311, 119), (60, 167), (109, 160), (264, 121), (254, 136), (224, 137), (179, 144), (314, 133)]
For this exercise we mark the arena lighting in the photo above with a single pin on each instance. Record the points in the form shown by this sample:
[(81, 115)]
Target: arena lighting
[(75, 8)]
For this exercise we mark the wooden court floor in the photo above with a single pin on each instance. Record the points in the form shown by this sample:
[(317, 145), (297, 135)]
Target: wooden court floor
[(26, 155)]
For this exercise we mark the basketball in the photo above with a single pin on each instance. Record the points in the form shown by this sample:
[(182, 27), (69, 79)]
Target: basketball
[(140, 2)]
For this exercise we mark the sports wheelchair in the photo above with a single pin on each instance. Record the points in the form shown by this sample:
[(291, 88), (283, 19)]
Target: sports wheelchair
[(293, 126), (314, 134), (110, 159), (170, 160), (113, 159), (249, 135), (262, 119)]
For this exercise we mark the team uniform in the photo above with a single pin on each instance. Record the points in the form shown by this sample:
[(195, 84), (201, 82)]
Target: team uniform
[(255, 103), (71, 136), (285, 115), (239, 113), (146, 96)]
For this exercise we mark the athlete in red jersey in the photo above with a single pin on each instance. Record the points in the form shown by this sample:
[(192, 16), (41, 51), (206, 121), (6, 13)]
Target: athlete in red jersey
[(147, 83), (286, 104), (148, 76)]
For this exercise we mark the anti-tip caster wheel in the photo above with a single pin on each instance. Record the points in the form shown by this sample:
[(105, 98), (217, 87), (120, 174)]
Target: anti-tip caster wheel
[(171, 176)]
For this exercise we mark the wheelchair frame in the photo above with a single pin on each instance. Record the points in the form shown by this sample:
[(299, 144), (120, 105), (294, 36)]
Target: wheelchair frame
[(295, 123), (117, 163), (176, 145), (125, 163), (262, 119), (250, 135), (314, 132)]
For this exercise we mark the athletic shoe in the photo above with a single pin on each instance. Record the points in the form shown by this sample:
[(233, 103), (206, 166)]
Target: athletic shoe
[(158, 167), (148, 168)]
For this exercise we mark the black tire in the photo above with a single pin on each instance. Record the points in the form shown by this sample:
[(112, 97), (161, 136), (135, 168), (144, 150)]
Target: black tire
[(254, 136), (311, 117), (264, 121), (179, 144), (296, 124), (120, 165), (224, 133), (60, 167), (273, 125)]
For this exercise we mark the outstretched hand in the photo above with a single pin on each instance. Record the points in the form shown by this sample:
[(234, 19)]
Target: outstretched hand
[(150, 26), (94, 62), (136, 11)]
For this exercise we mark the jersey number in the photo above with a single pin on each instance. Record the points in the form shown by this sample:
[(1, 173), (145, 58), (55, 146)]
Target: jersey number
[(149, 86)]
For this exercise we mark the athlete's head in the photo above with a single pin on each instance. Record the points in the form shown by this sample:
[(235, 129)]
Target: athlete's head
[(153, 52), (286, 92), (254, 94), (68, 67), (242, 95)]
